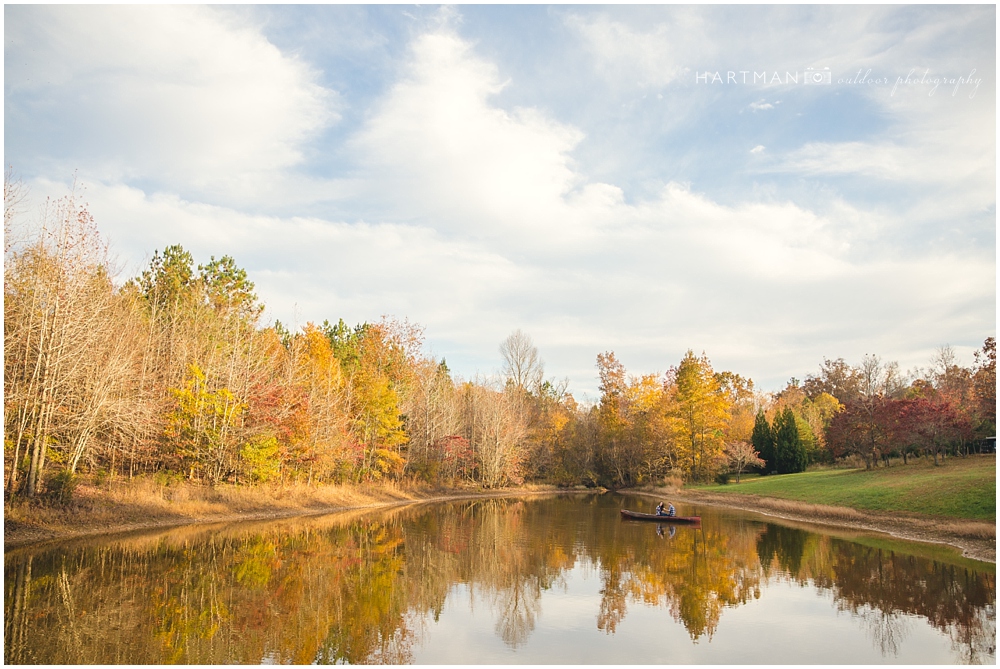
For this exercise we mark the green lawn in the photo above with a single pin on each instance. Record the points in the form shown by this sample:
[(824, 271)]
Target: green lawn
[(961, 488)]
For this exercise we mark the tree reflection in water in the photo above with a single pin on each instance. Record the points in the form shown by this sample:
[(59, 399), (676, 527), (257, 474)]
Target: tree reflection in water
[(366, 588), (701, 571), (885, 589)]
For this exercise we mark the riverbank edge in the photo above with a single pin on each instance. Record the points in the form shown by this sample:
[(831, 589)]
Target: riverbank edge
[(74, 526), (975, 539)]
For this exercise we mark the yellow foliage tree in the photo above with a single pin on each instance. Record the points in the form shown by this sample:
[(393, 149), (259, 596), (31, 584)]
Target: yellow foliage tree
[(634, 431), (699, 418), (378, 363), (202, 426), (324, 452)]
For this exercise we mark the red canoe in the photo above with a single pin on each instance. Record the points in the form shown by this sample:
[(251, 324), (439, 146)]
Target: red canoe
[(683, 520)]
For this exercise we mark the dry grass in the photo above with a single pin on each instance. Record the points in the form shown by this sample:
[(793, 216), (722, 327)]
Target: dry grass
[(802, 508), (671, 484)]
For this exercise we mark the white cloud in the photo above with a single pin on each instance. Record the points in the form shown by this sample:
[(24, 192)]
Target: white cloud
[(649, 279), (190, 97), (757, 149), (437, 148), (761, 105)]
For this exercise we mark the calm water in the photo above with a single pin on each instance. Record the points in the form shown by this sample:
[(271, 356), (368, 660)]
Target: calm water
[(560, 580)]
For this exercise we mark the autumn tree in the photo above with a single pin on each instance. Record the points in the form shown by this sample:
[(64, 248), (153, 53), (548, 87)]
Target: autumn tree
[(866, 428), (378, 362), (315, 430), (699, 417), (612, 416), (812, 415), (648, 403), (933, 426), (743, 404), (544, 414), (741, 456), (817, 412), (552, 435), (985, 387), (836, 378), (636, 442), (203, 426), (569, 446)]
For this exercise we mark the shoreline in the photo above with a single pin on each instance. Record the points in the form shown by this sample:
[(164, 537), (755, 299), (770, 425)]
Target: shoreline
[(974, 539), (19, 534)]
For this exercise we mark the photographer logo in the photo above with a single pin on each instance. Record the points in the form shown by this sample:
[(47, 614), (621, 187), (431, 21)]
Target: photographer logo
[(822, 77)]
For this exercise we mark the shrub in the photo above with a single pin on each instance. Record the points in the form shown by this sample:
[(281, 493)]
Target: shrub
[(167, 478), (100, 477), (59, 488), (722, 478)]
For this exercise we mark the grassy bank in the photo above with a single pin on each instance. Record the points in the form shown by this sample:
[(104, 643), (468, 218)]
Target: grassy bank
[(144, 503), (963, 488)]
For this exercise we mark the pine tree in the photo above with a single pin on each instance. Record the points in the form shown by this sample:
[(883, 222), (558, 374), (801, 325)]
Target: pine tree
[(790, 453), (763, 441)]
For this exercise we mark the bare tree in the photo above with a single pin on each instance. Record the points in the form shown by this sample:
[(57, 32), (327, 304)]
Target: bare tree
[(522, 366), (495, 422), (58, 332), (433, 414)]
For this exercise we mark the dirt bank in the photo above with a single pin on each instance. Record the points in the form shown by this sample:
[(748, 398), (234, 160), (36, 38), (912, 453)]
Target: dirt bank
[(976, 539), (97, 511)]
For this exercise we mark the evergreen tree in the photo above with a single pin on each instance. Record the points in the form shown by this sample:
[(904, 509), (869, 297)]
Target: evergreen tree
[(790, 453), (763, 441)]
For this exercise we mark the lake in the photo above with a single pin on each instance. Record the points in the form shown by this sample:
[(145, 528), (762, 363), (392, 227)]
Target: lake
[(532, 580)]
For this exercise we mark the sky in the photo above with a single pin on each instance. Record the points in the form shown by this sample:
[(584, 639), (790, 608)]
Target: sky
[(768, 185)]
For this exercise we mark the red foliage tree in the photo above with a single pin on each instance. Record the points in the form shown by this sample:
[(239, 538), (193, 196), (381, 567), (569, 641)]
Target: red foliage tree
[(934, 426), (985, 384), (866, 427)]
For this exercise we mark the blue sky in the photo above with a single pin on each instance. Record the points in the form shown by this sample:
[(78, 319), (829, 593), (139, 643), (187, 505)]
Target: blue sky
[(572, 171)]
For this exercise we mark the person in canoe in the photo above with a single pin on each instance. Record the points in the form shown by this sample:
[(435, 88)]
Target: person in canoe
[(670, 511)]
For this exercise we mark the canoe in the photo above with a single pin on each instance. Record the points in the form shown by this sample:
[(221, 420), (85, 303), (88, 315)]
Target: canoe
[(682, 520)]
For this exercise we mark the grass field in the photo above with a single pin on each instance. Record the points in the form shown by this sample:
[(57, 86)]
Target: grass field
[(961, 488)]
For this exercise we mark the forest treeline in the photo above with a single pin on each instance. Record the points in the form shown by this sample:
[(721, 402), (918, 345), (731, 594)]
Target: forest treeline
[(173, 374)]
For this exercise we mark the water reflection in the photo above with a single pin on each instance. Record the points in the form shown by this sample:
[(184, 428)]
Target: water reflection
[(704, 571), (369, 588)]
